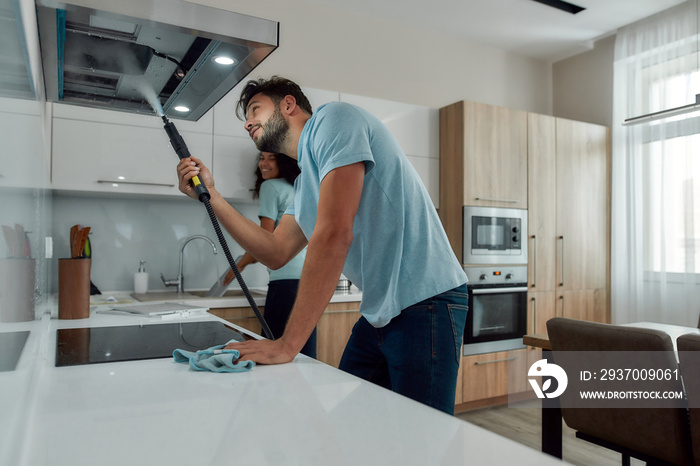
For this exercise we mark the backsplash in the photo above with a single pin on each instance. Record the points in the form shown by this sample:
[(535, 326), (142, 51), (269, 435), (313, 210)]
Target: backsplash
[(128, 230)]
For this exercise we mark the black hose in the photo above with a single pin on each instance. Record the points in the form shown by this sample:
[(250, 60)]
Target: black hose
[(232, 264), (203, 195)]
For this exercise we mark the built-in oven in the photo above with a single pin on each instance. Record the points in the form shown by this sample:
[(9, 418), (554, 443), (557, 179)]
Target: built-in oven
[(497, 318), (494, 235)]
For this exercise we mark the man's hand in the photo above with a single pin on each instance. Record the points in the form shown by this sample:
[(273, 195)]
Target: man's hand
[(189, 167), (264, 351)]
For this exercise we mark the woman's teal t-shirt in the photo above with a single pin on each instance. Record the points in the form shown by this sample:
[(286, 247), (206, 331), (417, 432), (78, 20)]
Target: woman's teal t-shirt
[(275, 196)]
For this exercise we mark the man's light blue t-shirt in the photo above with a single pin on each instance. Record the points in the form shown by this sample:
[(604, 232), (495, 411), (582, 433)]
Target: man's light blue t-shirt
[(275, 196), (400, 254)]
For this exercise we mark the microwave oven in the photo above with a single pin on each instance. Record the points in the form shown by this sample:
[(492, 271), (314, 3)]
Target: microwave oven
[(494, 235)]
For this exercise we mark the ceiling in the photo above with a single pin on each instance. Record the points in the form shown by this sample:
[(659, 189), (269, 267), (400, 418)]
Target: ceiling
[(522, 27)]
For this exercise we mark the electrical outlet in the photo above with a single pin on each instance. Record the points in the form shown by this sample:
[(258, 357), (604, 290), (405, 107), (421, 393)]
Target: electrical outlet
[(48, 247)]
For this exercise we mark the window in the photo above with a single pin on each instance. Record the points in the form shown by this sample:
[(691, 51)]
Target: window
[(671, 179)]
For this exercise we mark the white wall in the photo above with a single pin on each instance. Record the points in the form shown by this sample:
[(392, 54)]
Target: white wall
[(328, 48), (583, 84), (128, 230)]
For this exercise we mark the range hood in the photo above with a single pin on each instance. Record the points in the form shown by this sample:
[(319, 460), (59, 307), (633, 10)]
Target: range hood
[(139, 55)]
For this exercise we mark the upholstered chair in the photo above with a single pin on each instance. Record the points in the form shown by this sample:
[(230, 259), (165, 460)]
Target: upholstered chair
[(689, 355), (654, 435)]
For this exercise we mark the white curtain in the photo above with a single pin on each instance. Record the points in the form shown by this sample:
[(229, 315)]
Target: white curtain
[(655, 273)]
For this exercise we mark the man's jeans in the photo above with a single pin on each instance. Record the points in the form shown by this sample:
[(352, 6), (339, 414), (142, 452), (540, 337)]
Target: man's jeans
[(416, 354)]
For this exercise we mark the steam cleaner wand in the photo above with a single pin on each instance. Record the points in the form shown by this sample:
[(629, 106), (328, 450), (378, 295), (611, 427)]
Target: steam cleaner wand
[(203, 195)]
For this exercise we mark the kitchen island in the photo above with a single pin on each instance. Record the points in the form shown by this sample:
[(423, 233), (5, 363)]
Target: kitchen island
[(334, 326), (158, 412)]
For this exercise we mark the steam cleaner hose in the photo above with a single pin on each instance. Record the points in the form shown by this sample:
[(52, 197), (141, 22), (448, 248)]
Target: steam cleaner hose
[(232, 264), (203, 195)]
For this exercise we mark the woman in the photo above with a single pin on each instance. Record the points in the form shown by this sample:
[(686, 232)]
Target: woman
[(275, 188)]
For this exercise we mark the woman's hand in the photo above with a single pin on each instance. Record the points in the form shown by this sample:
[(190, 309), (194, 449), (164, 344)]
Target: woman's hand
[(189, 167)]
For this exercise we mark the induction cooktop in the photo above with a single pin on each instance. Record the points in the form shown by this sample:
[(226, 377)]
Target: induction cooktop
[(11, 346), (78, 346)]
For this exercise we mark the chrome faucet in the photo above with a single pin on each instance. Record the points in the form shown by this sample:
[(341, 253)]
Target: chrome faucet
[(179, 281)]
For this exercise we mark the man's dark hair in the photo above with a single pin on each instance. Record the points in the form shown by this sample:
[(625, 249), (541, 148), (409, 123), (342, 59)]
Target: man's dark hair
[(289, 170), (276, 88)]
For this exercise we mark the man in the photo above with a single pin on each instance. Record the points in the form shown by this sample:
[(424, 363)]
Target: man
[(362, 209)]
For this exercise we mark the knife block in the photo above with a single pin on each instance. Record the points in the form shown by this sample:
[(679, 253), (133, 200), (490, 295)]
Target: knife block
[(74, 288), (17, 289)]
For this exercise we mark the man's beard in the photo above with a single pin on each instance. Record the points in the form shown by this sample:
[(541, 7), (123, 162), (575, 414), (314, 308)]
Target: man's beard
[(274, 134)]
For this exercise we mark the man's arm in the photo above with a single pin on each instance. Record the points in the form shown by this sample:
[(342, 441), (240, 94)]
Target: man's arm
[(339, 200), (274, 249)]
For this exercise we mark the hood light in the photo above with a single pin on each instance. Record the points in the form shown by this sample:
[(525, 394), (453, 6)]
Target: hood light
[(224, 60), (181, 108)]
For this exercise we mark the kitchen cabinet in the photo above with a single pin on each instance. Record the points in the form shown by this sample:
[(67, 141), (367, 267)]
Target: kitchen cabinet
[(416, 129), (241, 316), (334, 329), (233, 167), (486, 377), (483, 162), (120, 153), (564, 168), (542, 306), (24, 149), (332, 332), (569, 189)]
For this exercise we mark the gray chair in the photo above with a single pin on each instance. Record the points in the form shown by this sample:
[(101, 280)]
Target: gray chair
[(689, 355), (655, 435)]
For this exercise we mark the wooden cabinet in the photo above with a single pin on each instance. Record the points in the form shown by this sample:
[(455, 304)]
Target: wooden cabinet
[(542, 306), (583, 199), (241, 316), (569, 211), (332, 332), (334, 329), (483, 162), (491, 377), (542, 202), (560, 171)]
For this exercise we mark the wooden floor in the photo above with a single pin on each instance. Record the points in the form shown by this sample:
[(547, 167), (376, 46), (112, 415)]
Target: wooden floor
[(522, 423)]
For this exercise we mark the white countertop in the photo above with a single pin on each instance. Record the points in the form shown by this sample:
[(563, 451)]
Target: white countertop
[(258, 294), (158, 412)]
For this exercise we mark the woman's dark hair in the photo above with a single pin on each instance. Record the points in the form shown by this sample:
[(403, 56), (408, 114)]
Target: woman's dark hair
[(276, 88), (289, 170)]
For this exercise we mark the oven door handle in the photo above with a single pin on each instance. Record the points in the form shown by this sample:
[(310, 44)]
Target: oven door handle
[(518, 289)]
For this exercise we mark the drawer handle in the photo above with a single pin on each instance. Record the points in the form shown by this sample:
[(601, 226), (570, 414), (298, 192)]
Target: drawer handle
[(534, 260), (561, 283), (136, 182), (509, 201), (481, 363)]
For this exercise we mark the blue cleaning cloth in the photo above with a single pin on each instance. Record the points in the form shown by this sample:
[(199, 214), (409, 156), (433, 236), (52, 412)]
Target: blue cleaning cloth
[(214, 359)]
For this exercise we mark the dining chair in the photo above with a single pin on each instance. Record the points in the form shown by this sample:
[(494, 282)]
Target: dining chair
[(689, 356), (654, 435)]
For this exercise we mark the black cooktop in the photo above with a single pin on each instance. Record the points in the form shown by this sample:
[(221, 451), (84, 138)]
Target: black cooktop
[(11, 346), (76, 346)]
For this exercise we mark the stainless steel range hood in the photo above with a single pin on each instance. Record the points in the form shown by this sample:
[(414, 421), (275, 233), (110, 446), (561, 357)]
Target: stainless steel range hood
[(136, 55)]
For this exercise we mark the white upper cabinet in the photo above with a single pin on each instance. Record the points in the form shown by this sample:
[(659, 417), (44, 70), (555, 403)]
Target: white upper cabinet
[(235, 161), (417, 130), (120, 153), (24, 154), (415, 127), (117, 152)]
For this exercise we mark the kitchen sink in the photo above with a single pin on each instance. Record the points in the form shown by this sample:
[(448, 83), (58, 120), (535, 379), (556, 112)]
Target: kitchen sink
[(190, 295), (235, 293)]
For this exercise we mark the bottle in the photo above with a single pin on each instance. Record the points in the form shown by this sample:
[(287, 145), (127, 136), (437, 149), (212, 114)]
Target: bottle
[(141, 279)]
